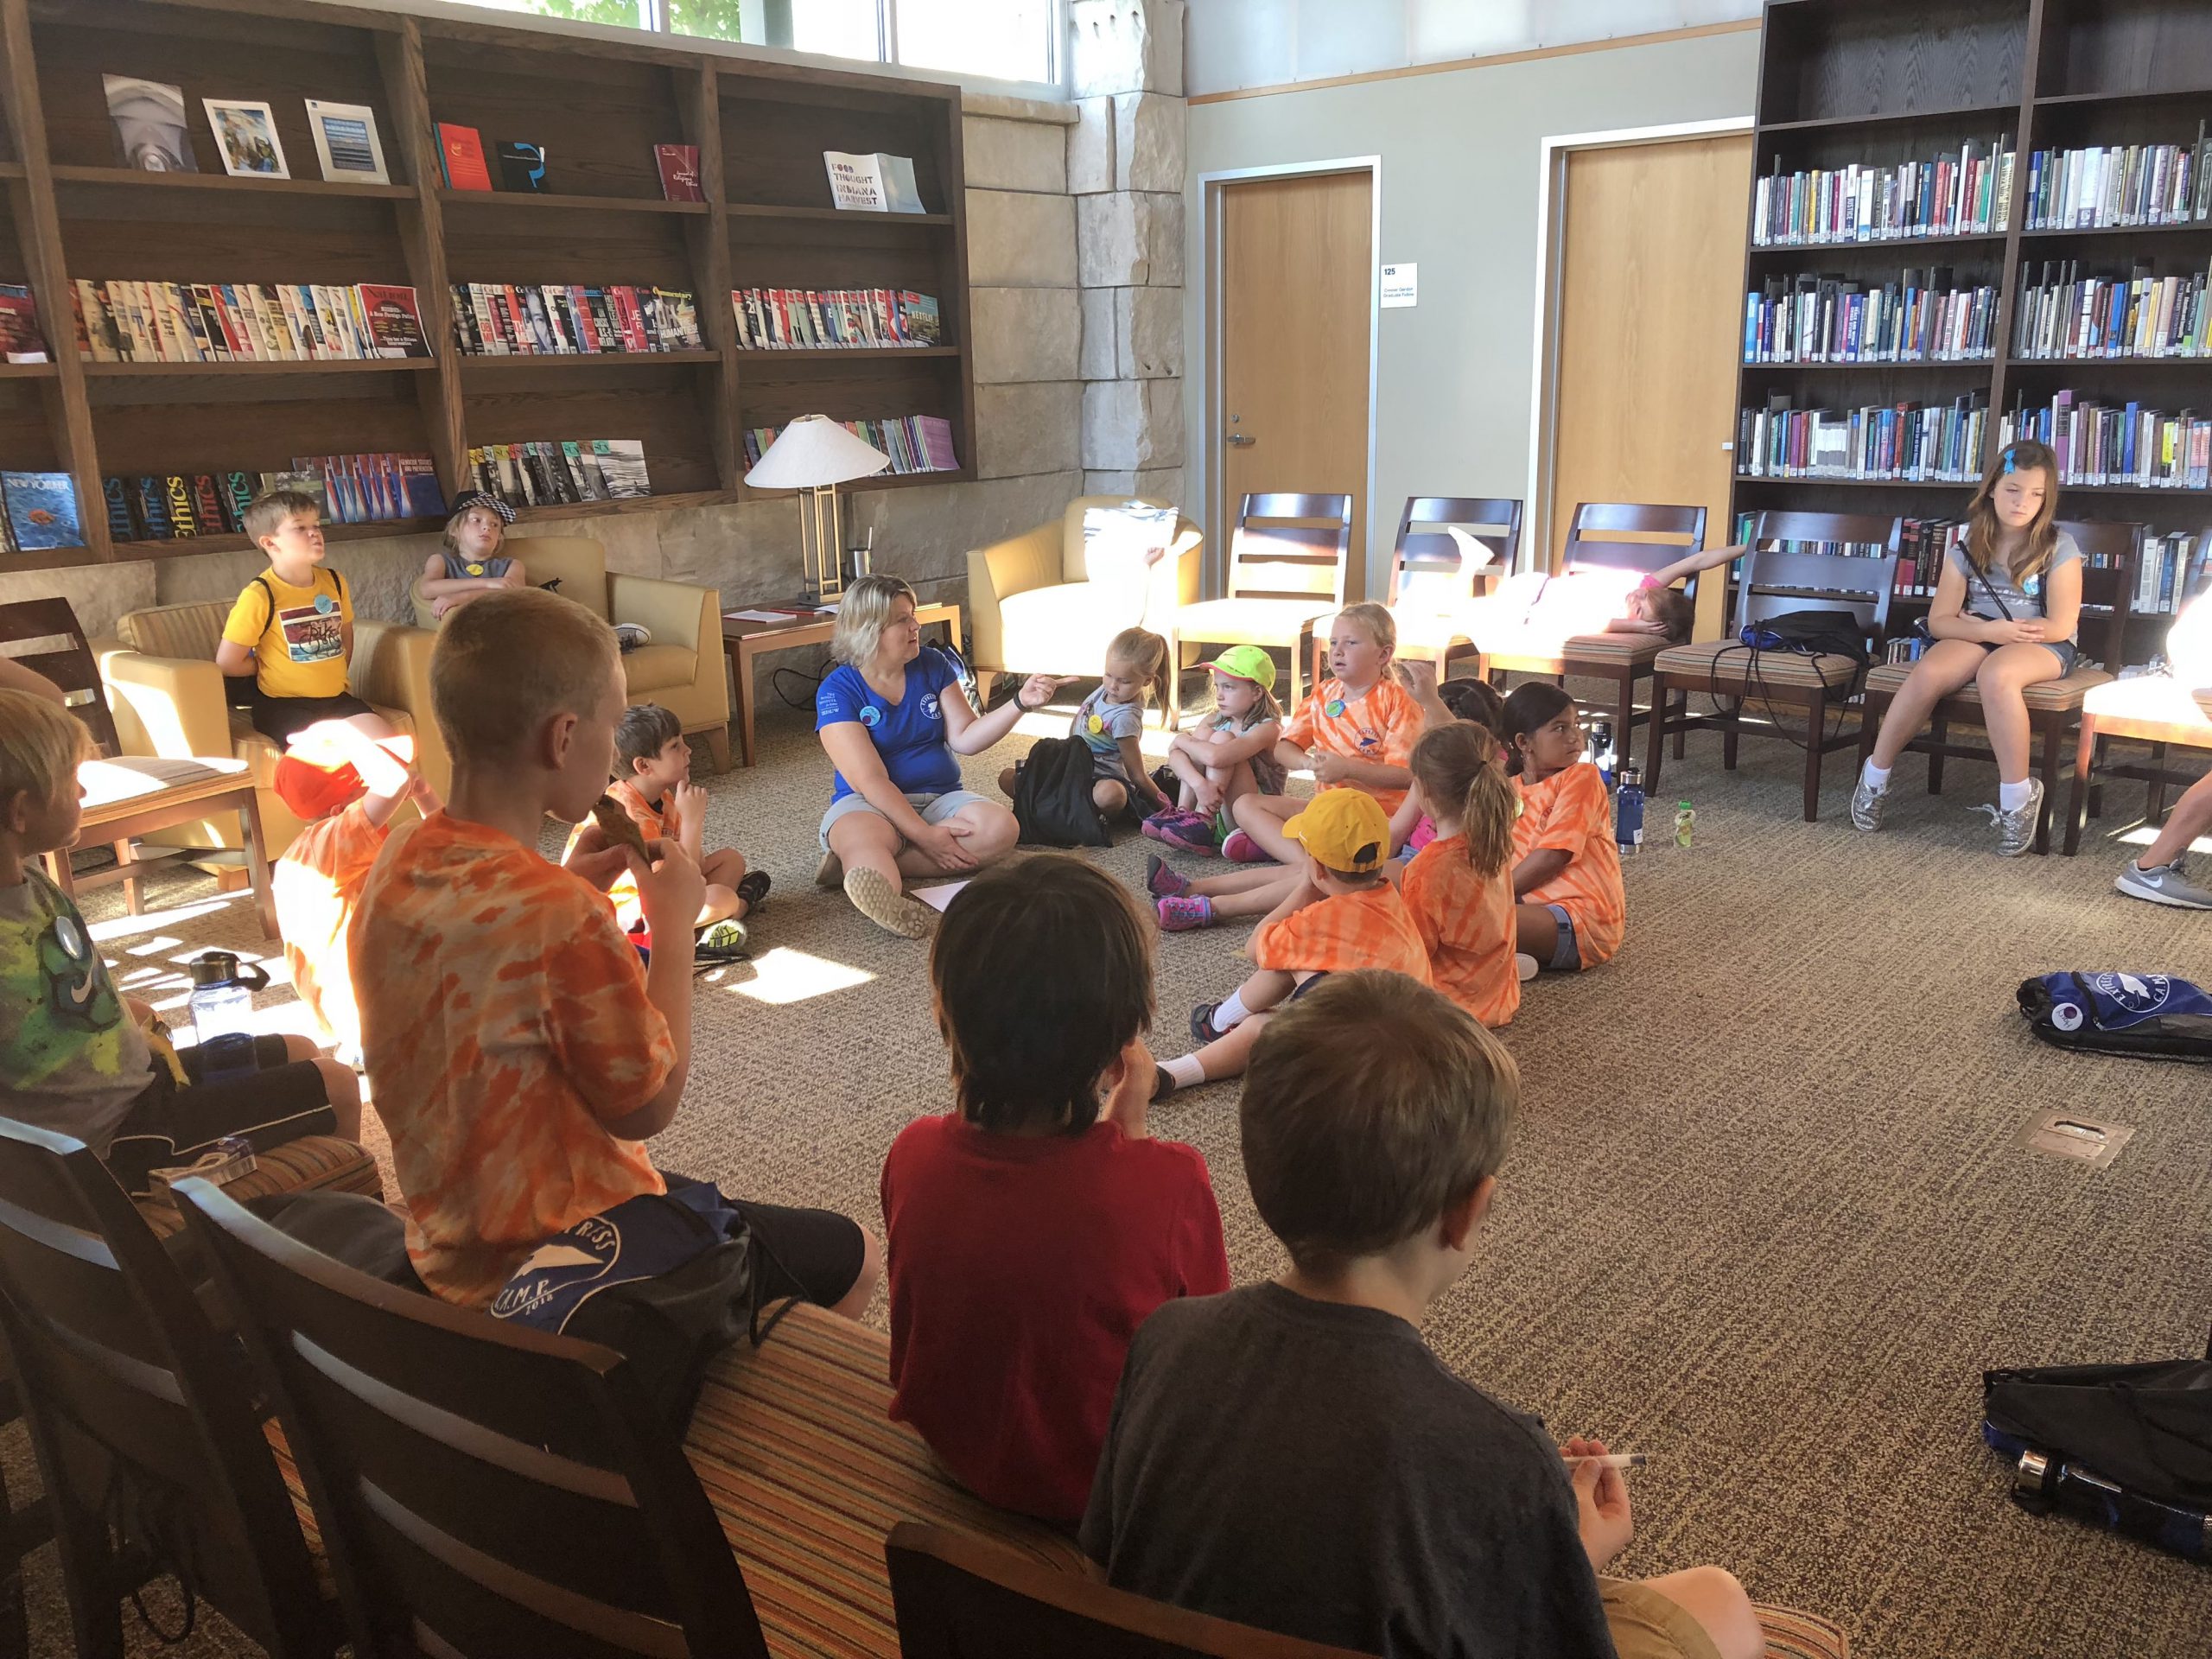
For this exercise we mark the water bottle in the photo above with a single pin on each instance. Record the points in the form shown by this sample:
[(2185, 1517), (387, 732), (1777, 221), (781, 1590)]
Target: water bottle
[(222, 1012), (1601, 750), (1685, 820), (1628, 812)]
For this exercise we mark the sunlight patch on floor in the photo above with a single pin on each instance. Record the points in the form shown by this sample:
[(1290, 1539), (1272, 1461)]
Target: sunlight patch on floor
[(124, 927), (784, 975)]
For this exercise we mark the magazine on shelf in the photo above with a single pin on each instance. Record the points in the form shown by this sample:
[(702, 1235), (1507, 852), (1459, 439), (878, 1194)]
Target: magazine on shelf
[(679, 172), (345, 143), (874, 183), (41, 511), (151, 134)]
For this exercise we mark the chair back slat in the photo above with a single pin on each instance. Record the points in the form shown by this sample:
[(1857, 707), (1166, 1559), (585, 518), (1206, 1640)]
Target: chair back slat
[(1290, 547), (72, 667), (1601, 532), (1423, 548), (1775, 583), (2111, 554), (460, 1465)]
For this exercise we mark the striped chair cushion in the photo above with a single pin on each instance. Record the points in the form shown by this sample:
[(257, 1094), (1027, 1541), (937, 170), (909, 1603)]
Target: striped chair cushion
[(314, 1163), (191, 631), (2058, 696), (1730, 662), (1607, 653)]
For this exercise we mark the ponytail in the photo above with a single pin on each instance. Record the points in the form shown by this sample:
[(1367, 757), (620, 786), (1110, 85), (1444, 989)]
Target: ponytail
[(1147, 652), (1458, 763)]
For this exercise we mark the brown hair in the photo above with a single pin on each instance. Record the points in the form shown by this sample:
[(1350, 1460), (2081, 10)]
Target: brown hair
[(41, 746), (1474, 699), (265, 514), (505, 663), (1371, 1106), (1147, 652), (1980, 539), (1532, 705), (1457, 768), (643, 731), (1381, 625), (1673, 610), (1042, 974)]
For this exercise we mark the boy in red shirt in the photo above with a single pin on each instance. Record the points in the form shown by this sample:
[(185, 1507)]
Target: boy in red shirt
[(1032, 1231)]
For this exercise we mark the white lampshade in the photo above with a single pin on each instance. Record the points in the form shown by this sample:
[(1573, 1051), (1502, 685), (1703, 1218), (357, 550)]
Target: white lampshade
[(814, 451)]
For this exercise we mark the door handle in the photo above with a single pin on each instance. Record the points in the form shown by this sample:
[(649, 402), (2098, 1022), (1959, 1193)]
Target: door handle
[(1242, 440)]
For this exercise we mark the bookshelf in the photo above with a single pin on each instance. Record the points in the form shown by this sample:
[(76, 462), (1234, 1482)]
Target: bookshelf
[(1883, 82), (68, 209)]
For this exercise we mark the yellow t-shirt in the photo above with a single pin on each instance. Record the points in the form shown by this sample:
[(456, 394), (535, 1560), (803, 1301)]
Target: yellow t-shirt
[(299, 649)]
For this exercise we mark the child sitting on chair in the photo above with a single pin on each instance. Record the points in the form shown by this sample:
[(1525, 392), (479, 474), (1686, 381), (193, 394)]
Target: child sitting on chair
[(470, 563), (1231, 753)]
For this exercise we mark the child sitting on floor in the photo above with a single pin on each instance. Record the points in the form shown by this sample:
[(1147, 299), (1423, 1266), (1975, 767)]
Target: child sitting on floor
[(652, 783), (344, 785), (520, 1109), (1457, 886), (1111, 722), (470, 562), (77, 1057), (1440, 705), (1030, 1231), (1437, 1520), (1344, 913), (1572, 909), (1231, 753)]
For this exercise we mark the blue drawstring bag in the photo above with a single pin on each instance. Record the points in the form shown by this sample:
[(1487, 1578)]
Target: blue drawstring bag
[(2154, 1015)]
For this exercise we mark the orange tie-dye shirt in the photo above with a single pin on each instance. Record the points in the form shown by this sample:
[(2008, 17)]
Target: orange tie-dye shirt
[(1382, 727), (316, 885), (1341, 932), (1466, 922), (506, 1024), (1570, 812), (629, 909)]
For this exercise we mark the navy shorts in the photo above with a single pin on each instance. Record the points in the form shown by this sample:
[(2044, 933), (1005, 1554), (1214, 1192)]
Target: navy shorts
[(814, 1253)]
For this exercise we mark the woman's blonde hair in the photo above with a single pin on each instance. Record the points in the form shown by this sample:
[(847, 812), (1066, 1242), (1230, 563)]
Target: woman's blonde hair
[(40, 745), (1457, 767), (1980, 540), (1381, 625), (1147, 652), (863, 613)]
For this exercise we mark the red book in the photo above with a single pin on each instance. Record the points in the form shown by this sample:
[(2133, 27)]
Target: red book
[(461, 154), (395, 319), (679, 172)]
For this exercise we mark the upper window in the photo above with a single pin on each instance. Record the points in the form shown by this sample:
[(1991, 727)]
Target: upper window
[(1008, 40)]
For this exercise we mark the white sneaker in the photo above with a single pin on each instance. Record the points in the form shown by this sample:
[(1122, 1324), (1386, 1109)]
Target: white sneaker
[(632, 636), (2163, 884), (2016, 831), (1866, 803)]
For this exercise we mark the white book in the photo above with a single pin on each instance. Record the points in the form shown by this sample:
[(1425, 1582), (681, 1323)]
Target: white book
[(875, 183)]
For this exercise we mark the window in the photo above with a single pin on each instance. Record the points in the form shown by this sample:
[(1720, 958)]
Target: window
[(1006, 40), (626, 13)]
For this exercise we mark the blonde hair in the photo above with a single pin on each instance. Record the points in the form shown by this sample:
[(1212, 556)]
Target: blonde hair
[(1458, 770), (40, 747), (506, 662), (1980, 539), (1263, 710), (1381, 625), (863, 613), (1147, 652)]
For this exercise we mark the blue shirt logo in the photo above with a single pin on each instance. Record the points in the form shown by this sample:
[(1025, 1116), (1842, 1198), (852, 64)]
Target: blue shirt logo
[(325, 604), (930, 707), (2137, 992)]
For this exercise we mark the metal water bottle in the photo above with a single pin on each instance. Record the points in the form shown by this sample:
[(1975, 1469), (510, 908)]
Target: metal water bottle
[(1601, 750), (1628, 812), (222, 1012)]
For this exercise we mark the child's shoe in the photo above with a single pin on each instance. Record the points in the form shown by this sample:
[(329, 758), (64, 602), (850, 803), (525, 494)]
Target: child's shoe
[(1525, 967), (2016, 831), (2163, 884), (1190, 831), (721, 942), (752, 887), (1179, 913), (1202, 1026), (1157, 825), (1162, 882), (1240, 849)]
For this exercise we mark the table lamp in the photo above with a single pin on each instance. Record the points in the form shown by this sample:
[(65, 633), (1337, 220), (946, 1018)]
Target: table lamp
[(813, 456)]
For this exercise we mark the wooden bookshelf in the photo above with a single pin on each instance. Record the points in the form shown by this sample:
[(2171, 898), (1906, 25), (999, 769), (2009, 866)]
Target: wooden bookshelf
[(1886, 81), (69, 210)]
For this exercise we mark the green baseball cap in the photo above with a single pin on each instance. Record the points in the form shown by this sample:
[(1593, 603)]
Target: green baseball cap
[(1247, 663)]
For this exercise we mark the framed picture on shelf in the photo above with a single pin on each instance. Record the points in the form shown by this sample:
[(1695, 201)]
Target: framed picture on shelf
[(149, 117), (245, 134), (345, 143)]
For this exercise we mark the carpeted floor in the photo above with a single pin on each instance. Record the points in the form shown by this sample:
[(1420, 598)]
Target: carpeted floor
[(1767, 1218)]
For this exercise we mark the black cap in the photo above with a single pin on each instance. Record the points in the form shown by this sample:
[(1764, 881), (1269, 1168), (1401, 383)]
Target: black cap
[(480, 498)]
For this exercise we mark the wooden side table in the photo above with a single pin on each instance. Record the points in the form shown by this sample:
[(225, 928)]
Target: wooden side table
[(742, 641), (2150, 709)]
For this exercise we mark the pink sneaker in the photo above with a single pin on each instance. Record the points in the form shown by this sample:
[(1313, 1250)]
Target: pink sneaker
[(1159, 825), (1190, 831), (1179, 913), (1240, 849)]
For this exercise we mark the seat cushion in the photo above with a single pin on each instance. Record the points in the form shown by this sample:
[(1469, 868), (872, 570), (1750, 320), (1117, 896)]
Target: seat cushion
[(1249, 621), (655, 668), (1064, 629), (314, 1163), (190, 631), (1730, 662), (132, 777), (1613, 650), (2051, 696)]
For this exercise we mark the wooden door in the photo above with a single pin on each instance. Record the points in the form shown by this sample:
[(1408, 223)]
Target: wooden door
[(1650, 325), (1296, 264)]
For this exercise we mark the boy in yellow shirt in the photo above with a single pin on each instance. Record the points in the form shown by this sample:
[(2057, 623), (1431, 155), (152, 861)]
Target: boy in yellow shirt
[(292, 628)]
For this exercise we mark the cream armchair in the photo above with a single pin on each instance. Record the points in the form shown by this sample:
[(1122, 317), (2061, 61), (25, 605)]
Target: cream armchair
[(1035, 607), (683, 669), (169, 698)]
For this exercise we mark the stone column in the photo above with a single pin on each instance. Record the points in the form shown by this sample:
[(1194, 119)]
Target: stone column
[(1125, 167)]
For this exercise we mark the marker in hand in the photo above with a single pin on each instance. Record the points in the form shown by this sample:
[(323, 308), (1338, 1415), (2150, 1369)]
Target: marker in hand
[(1618, 1461)]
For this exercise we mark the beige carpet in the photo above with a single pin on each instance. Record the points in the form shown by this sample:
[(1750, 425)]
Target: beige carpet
[(1766, 1218)]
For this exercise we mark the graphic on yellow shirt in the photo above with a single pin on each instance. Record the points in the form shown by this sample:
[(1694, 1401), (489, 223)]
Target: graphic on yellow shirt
[(297, 634)]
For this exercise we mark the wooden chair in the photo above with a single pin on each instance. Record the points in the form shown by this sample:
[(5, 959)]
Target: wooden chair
[(960, 1598), (1286, 561), (1425, 554), (2150, 709), (1774, 582), (132, 1399), (482, 1488), (1593, 541), (129, 795), (2111, 553)]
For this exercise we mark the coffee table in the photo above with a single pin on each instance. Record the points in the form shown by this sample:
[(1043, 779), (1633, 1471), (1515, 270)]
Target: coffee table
[(742, 641)]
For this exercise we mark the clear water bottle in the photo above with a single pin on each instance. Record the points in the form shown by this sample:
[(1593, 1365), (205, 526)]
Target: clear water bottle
[(1601, 751), (1628, 812), (222, 1012), (1685, 821)]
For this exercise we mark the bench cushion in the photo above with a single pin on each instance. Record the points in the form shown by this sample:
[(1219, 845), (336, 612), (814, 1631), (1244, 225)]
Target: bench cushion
[(2057, 696), (312, 1163), (1731, 662)]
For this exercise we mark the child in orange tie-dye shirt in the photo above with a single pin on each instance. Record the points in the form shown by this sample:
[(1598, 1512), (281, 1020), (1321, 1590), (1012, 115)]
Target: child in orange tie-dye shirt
[(519, 1052), (1458, 886), (1572, 911)]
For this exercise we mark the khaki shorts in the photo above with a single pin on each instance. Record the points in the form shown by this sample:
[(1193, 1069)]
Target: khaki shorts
[(1646, 1625)]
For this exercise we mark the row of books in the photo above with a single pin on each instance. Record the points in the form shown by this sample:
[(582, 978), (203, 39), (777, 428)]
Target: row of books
[(1922, 316), (2103, 443), (1920, 443), (38, 511), (356, 489), (771, 319), (1922, 543), (1964, 192), (2062, 314), (120, 321), (915, 443), (562, 471), (2120, 185), (526, 318), (2175, 569)]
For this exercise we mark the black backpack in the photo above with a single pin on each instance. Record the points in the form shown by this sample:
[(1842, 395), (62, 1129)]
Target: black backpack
[(1810, 634), (1052, 796)]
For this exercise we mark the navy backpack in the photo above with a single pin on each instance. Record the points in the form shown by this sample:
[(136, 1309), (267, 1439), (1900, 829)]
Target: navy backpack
[(2154, 1015)]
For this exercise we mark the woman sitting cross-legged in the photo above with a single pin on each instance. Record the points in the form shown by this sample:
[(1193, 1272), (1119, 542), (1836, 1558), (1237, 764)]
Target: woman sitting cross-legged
[(896, 719)]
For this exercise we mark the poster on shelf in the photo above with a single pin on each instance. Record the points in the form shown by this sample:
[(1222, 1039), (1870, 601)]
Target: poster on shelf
[(346, 142), (245, 136), (150, 127)]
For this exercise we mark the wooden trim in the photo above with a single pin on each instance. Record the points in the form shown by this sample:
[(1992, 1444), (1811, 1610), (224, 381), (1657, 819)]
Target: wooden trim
[(1495, 62)]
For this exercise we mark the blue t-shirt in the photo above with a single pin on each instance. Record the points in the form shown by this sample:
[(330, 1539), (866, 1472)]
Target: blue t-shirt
[(909, 734)]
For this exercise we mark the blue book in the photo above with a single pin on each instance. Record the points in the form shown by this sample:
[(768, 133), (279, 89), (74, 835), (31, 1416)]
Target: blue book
[(41, 510), (154, 509), (119, 527)]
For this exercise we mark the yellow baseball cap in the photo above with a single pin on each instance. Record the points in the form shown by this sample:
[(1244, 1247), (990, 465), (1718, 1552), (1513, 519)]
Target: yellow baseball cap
[(1345, 829)]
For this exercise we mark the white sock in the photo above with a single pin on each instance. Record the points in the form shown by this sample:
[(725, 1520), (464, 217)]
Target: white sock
[(1230, 1012), (1875, 778), (1185, 1070), (2010, 797)]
